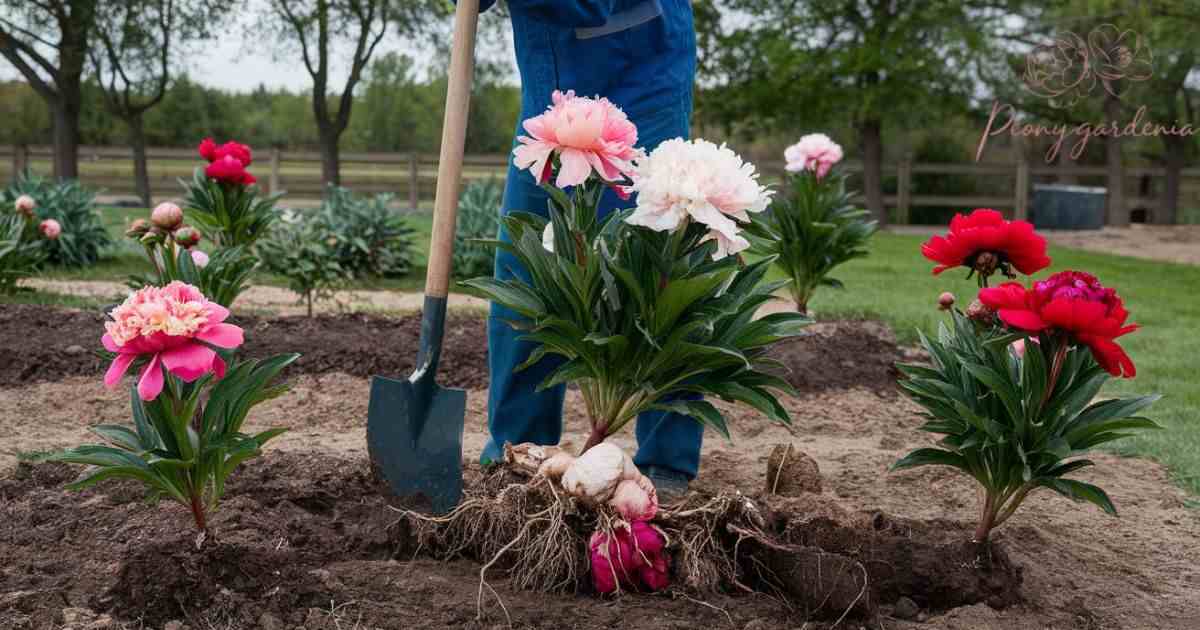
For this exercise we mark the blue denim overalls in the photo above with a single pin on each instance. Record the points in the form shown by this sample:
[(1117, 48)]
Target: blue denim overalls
[(641, 54)]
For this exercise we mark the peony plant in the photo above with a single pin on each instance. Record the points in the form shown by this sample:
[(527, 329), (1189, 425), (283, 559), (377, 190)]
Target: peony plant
[(648, 308), (814, 227), (1014, 379), (189, 403), (222, 199)]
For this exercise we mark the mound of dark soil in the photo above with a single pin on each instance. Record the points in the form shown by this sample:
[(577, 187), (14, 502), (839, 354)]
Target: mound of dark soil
[(44, 343)]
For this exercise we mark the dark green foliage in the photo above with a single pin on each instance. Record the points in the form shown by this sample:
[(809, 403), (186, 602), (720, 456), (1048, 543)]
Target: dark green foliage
[(811, 228), (20, 255), (641, 316), (73, 206), (478, 219), (184, 444), (295, 252), (1008, 422), (365, 236), (227, 214)]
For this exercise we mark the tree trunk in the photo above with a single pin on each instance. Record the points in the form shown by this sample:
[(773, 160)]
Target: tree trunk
[(66, 138), (330, 157), (141, 172), (1118, 216), (870, 134), (1175, 148)]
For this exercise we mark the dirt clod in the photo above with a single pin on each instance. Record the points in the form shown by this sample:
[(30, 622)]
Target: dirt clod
[(790, 472)]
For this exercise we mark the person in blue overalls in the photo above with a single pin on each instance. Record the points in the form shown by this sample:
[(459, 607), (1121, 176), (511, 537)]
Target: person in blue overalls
[(641, 55)]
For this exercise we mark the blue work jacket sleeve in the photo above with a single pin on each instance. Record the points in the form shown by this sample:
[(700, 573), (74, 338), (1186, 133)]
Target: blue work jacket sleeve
[(566, 13)]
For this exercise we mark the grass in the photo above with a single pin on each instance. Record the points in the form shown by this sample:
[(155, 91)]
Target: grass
[(894, 284)]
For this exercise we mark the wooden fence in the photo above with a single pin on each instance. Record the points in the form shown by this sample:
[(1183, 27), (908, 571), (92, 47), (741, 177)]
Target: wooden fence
[(412, 177)]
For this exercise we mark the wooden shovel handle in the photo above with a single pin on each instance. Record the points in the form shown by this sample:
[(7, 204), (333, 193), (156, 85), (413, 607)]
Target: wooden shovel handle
[(454, 137)]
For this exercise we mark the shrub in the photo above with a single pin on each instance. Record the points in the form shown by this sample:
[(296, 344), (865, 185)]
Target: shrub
[(188, 407), (298, 254), (478, 221), (72, 206), (366, 237), (814, 227), (20, 255)]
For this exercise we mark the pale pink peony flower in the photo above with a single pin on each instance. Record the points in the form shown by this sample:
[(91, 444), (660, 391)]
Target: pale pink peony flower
[(698, 180), (25, 205), (173, 326), (1018, 348), (815, 152), (199, 258), (50, 229), (166, 216), (587, 134)]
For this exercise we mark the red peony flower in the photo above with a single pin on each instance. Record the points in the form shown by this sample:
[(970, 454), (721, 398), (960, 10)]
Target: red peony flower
[(228, 170), (213, 152), (207, 149), (984, 242), (1071, 302)]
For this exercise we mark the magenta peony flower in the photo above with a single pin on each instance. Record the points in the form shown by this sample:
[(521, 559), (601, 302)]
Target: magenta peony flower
[(199, 258), (25, 205), (815, 152), (50, 229), (207, 149), (166, 216), (586, 134), (697, 180), (229, 170), (173, 326)]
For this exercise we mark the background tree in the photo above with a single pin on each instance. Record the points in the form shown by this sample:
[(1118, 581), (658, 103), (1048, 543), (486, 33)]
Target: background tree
[(318, 29), (47, 41), (806, 64), (136, 47)]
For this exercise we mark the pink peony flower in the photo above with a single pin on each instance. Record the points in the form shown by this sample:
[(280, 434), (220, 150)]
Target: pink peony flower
[(697, 180), (587, 134), (50, 229), (635, 499), (815, 152), (25, 205), (199, 258), (166, 216), (173, 326)]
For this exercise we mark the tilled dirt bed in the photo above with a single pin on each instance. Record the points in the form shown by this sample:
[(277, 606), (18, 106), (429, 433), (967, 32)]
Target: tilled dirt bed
[(305, 540)]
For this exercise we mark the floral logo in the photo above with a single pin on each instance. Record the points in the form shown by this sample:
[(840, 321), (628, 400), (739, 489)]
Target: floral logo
[(1069, 68)]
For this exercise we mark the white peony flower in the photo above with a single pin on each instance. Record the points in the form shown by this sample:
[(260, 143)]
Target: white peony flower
[(699, 180), (548, 237)]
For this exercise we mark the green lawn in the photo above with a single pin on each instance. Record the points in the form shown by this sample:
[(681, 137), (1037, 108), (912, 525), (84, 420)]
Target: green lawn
[(894, 284)]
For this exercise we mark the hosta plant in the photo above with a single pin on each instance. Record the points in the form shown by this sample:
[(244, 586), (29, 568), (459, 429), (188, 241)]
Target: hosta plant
[(79, 236), (1014, 382), (813, 227), (190, 402), (478, 218), (646, 307)]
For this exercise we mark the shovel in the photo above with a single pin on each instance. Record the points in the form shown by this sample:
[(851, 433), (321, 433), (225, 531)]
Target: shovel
[(415, 426)]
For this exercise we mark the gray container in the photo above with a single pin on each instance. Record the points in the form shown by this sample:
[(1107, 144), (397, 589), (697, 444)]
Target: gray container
[(1061, 207)]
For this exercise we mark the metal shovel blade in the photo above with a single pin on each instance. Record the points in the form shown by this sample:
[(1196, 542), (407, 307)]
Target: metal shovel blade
[(415, 426)]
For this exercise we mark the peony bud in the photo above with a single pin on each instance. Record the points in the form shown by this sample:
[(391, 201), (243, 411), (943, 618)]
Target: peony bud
[(187, 236), (25, 205), (979, 312), (199, 258), (945, 301), (167, 216), (138, 228), (50, 229)]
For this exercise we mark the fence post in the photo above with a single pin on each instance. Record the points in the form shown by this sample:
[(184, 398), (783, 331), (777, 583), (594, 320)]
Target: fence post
[(274, 182), (1021, 192), (20, 161), (903, 189), (414, 182)]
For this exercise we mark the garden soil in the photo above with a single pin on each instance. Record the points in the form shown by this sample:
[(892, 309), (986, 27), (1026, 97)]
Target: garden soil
[(305, 540)]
